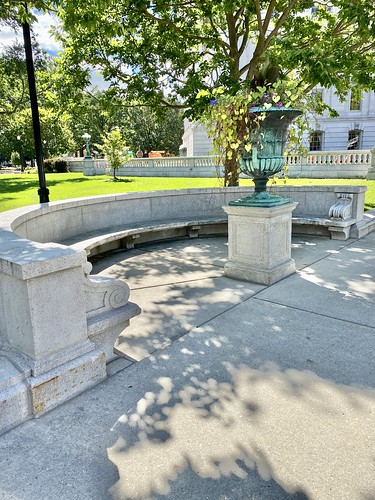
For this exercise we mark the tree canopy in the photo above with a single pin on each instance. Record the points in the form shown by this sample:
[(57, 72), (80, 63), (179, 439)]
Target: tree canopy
[(164, 53), (14, 91), (16, 133), (69, 108), (12, 12)]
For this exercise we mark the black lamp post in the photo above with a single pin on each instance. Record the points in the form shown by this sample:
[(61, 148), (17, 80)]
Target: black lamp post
[(43, 191), (22, 158)]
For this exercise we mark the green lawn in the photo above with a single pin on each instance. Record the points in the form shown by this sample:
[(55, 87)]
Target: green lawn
[(17, 190)]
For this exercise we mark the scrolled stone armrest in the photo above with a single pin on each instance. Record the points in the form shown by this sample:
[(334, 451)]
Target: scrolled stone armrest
[(104, 294)]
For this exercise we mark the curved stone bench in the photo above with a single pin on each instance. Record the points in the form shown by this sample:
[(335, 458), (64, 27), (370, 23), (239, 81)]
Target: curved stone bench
[(114, 237), (103, 223), (58, 323)]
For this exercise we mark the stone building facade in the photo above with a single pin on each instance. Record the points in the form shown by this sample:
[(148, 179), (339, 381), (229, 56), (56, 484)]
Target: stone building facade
[(353, 129)]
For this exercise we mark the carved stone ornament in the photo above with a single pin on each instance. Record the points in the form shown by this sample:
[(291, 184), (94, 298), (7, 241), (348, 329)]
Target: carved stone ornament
[(342, 209)]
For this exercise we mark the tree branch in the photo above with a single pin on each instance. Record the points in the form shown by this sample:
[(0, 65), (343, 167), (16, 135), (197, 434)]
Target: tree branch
[(259, 20), (268, 17), (280, 23), (245, 36), (170, 24)]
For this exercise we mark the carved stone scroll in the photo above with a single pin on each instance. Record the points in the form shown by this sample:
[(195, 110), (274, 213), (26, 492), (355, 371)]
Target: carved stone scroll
[(342, 209), (103, 293)]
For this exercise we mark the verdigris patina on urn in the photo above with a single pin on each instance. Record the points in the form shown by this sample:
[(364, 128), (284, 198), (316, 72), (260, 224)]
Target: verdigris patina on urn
[(263, 155)]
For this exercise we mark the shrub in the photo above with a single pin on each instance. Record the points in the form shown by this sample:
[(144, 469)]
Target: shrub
[(49, 165), (15, 158), (31, 170), (61, 166), (55, 165)]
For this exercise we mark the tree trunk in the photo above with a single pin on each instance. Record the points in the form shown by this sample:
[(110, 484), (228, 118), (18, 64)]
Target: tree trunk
[(231, 172), (23, 162)]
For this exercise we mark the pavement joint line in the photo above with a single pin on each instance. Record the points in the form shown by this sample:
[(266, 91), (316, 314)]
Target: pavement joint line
[(322, 258), (174, 283), (163, 346), (312, 312), (220, 314)]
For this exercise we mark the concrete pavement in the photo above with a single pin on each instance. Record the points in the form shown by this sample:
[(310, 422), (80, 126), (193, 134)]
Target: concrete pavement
[(229, 390)]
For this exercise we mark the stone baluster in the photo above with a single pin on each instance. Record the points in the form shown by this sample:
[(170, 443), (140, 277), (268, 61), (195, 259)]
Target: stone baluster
[(371, 170)]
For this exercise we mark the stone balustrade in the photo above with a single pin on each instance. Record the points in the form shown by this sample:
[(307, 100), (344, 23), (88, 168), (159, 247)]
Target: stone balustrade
[(317, 164), (331, 164)]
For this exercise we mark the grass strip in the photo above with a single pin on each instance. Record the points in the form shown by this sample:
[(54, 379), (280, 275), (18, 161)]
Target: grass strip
[(18, 190)]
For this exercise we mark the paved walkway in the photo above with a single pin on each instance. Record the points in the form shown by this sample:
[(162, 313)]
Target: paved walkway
[(230, 390)]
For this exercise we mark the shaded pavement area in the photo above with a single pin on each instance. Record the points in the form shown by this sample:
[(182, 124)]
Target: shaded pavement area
[(225, 389)]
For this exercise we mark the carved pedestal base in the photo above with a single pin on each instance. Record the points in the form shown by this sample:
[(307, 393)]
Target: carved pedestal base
[(259, 243)]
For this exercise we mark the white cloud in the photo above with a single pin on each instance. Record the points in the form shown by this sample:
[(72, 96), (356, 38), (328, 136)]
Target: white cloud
[(41, 30), (8, 36), (97, 80)]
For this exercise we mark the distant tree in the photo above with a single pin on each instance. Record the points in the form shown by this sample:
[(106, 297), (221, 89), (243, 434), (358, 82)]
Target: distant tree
[(14, 91), (17, 134), (114, 149), (88, 114), (97, 112), (150, 131), (15, 158)]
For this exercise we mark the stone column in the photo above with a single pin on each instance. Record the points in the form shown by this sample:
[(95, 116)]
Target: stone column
[(259, 243)]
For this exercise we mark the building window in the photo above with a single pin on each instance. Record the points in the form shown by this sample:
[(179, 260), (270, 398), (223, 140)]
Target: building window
[(316, 141), (355, 100), (354, 139)]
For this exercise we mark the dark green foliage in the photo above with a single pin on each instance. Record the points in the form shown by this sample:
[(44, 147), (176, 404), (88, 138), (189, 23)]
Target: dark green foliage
[(57, 165), (49, 165), (61, 166), (163, 53)]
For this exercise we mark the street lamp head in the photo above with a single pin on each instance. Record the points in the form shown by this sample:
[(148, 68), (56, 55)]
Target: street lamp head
[(86, 137)]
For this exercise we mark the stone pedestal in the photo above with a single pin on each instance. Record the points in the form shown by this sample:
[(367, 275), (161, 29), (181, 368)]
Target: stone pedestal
[(259, 243), (43, 329), (88, 166)]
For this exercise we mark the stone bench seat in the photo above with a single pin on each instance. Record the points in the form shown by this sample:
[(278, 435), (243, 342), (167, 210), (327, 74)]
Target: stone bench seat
[(120, 236), (334, 228), (114, 237), (58, 323)]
